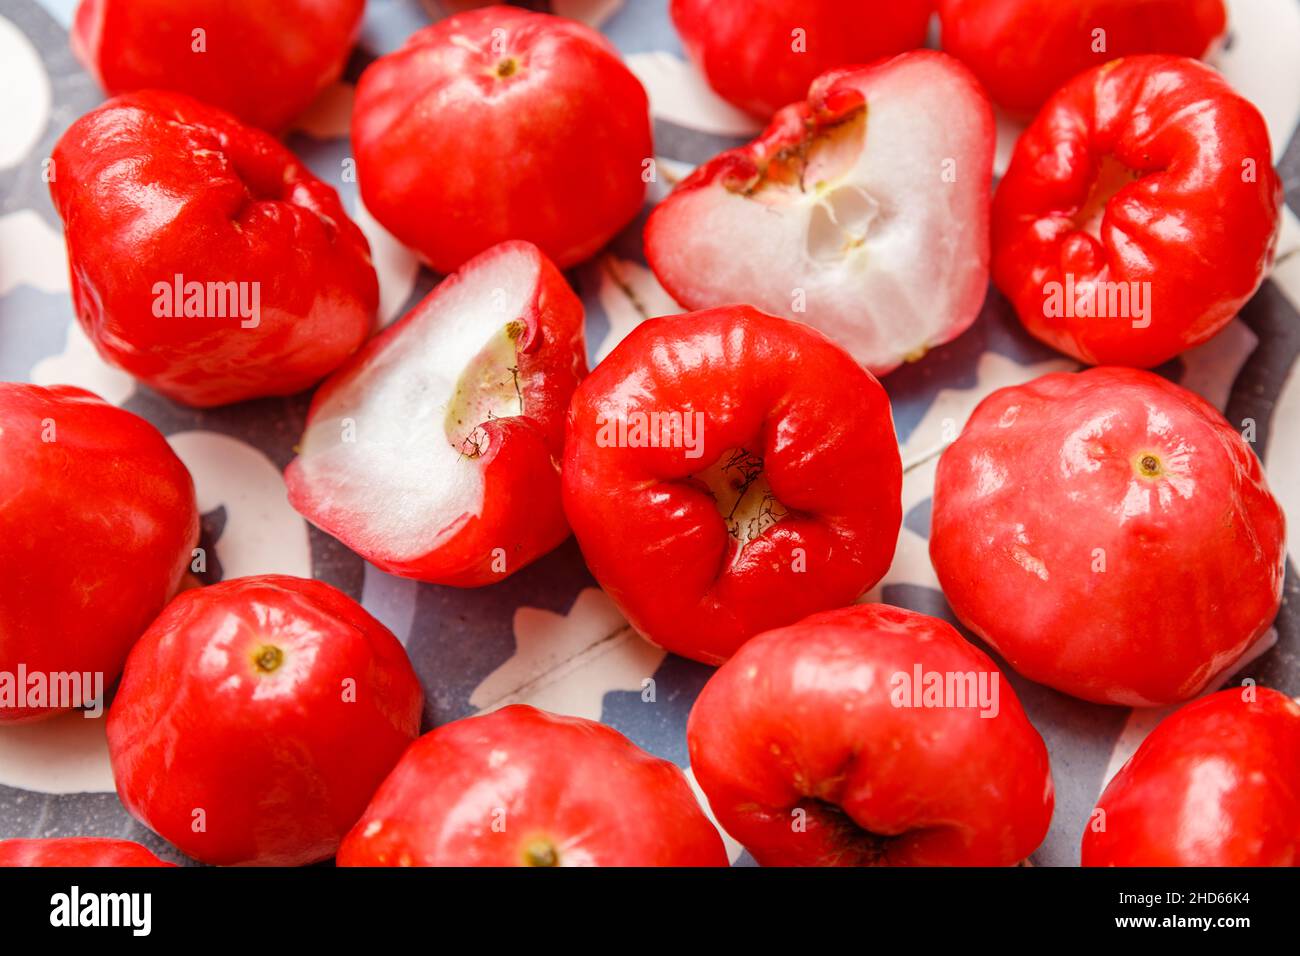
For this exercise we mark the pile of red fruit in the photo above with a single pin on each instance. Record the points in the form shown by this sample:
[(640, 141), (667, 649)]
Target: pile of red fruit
[(731, 474)]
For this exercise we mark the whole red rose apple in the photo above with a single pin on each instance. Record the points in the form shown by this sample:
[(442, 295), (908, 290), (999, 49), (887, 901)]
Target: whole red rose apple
[(1214, 785), (501, 124), (522, 787), (762, 54), (870, 736), (1110, 534), (727, 472), (434, 453), (264, 62), (76, 851), (256, 717), (205, 259), (97, 525), (862, 211), (1139, 214), (1023, 51)]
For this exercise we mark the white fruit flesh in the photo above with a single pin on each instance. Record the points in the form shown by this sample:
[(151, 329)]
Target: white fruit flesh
[(881, 242), (409, 476)]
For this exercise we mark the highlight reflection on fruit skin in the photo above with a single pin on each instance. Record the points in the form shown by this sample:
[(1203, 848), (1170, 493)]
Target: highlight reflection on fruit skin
[(1213, 785), (1110, 534), (522, 787)]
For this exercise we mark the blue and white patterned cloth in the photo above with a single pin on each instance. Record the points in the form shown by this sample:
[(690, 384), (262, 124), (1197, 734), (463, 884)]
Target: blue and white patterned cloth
[(548, 636)]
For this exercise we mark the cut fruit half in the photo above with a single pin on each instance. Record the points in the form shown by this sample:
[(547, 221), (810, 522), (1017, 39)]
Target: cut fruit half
[(433, 453), (863, 212)]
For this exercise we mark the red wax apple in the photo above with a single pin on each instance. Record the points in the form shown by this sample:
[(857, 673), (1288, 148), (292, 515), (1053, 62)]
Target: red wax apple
[(727, 472), (97, 523), (1139, 213), (1110, 534), (264, 62), (256, 717), (863, 212), (206, 260), (434, 453), (1023, 51), (76, 851), (500, 124), (522, 787), (869, 736), (761, 56), (1214, 785)]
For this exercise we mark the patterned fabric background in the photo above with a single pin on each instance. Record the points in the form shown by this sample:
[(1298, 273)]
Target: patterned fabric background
[(548, 636)]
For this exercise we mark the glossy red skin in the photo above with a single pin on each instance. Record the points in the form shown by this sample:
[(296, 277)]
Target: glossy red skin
[(281, 770), (745, 48), (263, 62), (140, 206), (520, 464), (1213, 785), (454, 159), (1046, 473), (802, 717), (76, 851), (1023, 51), (658, 544), (97, 528), (1181, 127), (576, 786)]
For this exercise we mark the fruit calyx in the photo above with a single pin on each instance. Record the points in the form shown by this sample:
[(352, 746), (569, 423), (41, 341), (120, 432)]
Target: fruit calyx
[(1148, 465), (1112, 176), (540, 852), (857, 846), (267, 658), (743, 496)]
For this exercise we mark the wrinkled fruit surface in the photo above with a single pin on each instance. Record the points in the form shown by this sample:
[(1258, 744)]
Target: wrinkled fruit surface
[(825, 744), (727, 472), (205, 258), (1139, 213)]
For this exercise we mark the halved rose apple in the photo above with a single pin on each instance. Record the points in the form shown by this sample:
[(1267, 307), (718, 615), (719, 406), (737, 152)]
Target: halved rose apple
[(863, 212), (434, 452)]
